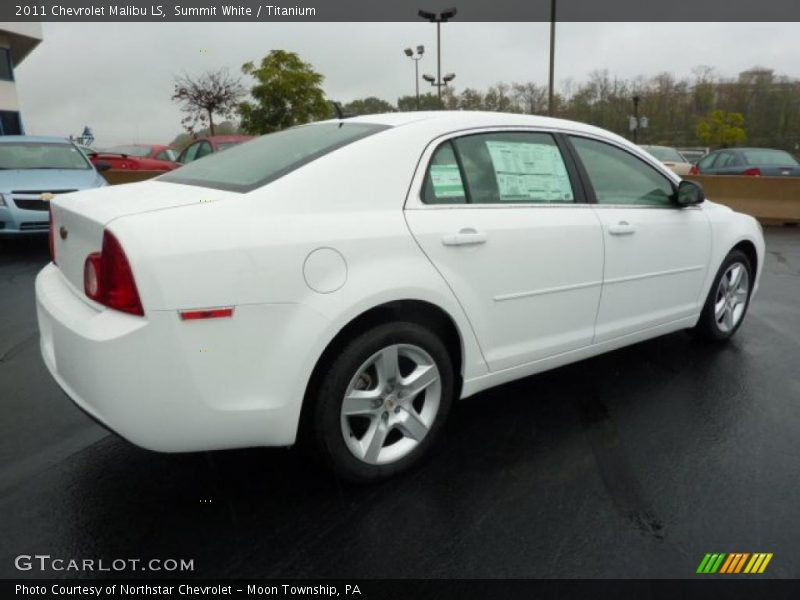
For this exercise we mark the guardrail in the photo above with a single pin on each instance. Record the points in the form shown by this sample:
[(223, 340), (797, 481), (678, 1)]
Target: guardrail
[(119, 176), (771, 200)]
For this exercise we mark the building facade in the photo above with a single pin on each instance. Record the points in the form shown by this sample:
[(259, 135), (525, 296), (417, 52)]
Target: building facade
[(17, 40)]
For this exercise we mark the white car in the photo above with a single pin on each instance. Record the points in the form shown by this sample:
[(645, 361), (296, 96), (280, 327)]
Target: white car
[(342, 283)]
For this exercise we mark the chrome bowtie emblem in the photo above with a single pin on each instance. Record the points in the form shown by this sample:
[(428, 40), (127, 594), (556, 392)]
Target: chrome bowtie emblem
[(47, 196)]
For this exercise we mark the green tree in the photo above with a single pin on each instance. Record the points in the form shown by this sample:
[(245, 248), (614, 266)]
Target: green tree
[(427, 101), (368, 106), (722, 129), (287, 92)]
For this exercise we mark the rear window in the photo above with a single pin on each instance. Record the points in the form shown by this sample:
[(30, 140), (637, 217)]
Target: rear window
[(248, 166), (768, 157)]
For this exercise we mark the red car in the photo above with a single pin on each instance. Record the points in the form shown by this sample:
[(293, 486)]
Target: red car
[(205, 146), (146, 157)]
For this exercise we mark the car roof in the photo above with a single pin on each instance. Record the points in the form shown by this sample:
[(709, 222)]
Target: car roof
[(443, 121), (42, 139)]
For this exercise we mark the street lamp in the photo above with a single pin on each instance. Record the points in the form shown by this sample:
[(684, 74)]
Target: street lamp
[(637, 122), (410, 54), (439, 84), (439, 18), (550, 90)]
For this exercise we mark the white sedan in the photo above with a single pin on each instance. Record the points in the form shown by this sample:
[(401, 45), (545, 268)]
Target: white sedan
[(342, 283)]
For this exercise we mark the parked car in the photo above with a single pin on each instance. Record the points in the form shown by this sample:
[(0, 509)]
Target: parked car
[(748, 161), (341, 283), (209, 145), (145, 157), (692, 155), (34, 170), (671, 158)]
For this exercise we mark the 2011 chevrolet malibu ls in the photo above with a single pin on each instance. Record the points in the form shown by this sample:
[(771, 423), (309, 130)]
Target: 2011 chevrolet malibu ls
[(342, 283)]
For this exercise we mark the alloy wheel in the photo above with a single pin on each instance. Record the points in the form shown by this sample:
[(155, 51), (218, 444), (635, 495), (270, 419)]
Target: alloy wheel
[(391, 404), (731, 298)]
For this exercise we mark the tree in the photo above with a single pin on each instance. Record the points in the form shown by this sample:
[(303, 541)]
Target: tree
[(722, 129), (530, 97), (427, 101), (368, 106), (287, 92), (213, 92)]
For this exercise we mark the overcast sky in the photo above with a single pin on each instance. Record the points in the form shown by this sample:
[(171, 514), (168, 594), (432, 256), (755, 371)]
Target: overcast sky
[(117, 77)]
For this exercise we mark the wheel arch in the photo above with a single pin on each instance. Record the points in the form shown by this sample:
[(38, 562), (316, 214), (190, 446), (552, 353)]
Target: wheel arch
[(417, 311), (749, 249)]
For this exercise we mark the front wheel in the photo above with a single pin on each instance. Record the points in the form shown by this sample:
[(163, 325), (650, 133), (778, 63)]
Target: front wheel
[(383, 401), (728, 299)]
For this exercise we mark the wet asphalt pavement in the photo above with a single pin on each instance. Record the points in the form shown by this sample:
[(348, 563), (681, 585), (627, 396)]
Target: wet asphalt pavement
[(632, 464)]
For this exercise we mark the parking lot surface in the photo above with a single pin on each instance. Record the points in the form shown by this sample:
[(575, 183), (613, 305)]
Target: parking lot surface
[(633, 464)]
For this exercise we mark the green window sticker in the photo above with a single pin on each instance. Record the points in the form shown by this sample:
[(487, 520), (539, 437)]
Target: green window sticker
[(446, 181)]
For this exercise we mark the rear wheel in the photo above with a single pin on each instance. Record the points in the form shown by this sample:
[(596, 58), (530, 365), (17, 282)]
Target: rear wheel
[(383, 401), (728, 300)]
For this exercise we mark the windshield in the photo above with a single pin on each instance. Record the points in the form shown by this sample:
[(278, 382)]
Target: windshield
[(140, 151), (37, 155), (250, 165), (769, 157), (663, 153)]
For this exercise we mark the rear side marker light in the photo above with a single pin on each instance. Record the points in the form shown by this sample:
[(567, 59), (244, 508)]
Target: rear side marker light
[(208, 313), (694, 170)]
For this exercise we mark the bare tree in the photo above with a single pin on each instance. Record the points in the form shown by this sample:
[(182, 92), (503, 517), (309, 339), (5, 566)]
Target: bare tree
[(213, 92)]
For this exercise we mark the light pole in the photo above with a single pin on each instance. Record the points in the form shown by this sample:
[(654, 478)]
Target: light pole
[(636, 117), (410, 54), (439, 84), (439, 18), (550, 92)]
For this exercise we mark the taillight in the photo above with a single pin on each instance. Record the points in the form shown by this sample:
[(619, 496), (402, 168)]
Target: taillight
[(52, 237), (108, 279), (694, 170), (753, 172)]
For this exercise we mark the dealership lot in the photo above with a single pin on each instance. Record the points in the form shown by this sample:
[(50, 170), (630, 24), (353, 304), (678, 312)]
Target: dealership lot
[(632, 464)]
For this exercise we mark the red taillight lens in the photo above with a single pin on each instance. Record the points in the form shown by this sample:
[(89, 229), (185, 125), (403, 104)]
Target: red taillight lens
[(108, 279), (694, 170), (753, 172), (52, 237)]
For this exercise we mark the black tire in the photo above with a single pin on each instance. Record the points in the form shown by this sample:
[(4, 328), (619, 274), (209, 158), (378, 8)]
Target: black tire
[(324, 416), (707, 327)]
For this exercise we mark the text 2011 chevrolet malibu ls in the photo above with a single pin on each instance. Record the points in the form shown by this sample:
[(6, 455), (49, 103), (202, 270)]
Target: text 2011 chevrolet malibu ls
[(343, 282)]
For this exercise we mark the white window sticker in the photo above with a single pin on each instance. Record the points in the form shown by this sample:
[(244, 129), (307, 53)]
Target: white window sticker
[(446, 180), (532, 172)]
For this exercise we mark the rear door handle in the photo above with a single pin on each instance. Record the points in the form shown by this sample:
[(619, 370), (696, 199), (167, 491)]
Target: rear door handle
[(466, 237), (622, 228)]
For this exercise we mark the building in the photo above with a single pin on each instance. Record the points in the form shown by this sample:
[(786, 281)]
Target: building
[(16, 42)]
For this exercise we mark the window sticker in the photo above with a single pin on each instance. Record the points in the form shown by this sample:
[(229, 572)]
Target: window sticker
[(533, 172), (446, 180)]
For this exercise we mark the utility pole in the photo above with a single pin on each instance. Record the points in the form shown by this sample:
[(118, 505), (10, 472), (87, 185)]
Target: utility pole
[(439, 18), (550, 91)]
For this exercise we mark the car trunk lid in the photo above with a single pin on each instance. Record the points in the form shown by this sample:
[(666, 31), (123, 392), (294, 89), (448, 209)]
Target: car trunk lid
[(79, 219)]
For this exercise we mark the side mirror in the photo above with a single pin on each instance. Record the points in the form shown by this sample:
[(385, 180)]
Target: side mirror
[(690, 193), (102, 165)]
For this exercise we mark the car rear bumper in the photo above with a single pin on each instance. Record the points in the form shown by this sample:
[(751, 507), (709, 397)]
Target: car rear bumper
[(171, 385)]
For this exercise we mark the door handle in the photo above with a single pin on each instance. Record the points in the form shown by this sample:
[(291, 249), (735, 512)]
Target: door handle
[(466, 237), (621, 228)]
